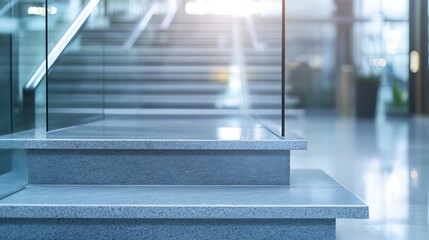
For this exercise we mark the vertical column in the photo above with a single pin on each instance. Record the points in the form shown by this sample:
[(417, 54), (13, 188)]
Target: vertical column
[(5, 83), (344, 54), (5, 97), (345, 16), (418, 80)]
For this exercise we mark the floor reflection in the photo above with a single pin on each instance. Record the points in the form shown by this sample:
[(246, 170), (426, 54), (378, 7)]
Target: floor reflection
[(384, 162)]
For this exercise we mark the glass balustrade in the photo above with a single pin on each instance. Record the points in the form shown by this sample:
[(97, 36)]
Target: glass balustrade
[(75, 79), (136, 59), (65, 63), (22, 50), (139, 58)]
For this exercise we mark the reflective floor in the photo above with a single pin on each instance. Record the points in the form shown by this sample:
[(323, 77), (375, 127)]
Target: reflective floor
[(385, 163)]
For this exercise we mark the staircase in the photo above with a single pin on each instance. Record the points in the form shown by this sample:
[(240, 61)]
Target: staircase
[(105, 180), (184, 69), (133, 174)]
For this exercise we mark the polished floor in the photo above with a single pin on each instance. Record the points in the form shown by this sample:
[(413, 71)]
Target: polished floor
[(384, 162)]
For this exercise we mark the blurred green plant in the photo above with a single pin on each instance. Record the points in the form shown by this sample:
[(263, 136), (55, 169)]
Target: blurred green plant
[(368, 79), (399, 95), (366, 87)]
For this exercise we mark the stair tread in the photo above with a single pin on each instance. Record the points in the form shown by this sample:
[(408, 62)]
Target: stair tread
[(234, 133), (312, 194), (157, 138)]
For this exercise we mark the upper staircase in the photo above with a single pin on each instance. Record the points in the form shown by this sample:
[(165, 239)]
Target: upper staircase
[(189, 66)]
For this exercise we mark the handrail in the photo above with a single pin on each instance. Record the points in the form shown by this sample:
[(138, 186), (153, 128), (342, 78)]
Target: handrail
[(173, 6), (64, 41), (8, 6), (142, 25), (236, 94), (257, 45)]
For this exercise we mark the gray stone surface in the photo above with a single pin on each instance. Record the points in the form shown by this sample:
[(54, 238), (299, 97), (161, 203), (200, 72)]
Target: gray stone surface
[(187, 229), (158, 167), (311, 195), (22, 142), (233, 133)]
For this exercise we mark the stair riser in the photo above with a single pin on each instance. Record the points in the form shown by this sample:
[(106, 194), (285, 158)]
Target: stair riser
[(285, 229), (153, 167)]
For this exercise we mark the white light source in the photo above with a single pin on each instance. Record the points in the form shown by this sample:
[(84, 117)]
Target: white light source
[(414, 61), (378, 62), (382, 62), (414, 174), (41, 11), (52, 10), (36, 11)]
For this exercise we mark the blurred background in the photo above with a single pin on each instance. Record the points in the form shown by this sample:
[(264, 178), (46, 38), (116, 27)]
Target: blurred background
[(332, 42), (333, 48)]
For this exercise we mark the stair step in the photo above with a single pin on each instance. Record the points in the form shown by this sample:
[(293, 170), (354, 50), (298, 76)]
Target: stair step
[(156, 77), (158, 167), (149, 113), (304, 210), (135, 100), (116, 152), (164, 69), (197, 138), (173, 60), (312, 194)]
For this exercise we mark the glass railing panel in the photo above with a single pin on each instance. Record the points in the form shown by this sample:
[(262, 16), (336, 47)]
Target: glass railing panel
[(206, 58), (169, 57), (137, 65), (27, 33), (13, 171), (5, 80), (40, 113), (12, 73), (75, 80), (61, 15), (264, 62), (22, 36)]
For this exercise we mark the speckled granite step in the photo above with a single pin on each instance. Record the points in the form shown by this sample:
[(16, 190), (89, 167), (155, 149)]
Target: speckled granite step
[(306, 209), (95, 156), (152, 138)]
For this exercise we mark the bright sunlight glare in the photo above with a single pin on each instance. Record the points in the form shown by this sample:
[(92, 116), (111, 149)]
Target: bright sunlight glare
[(222, 7)]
